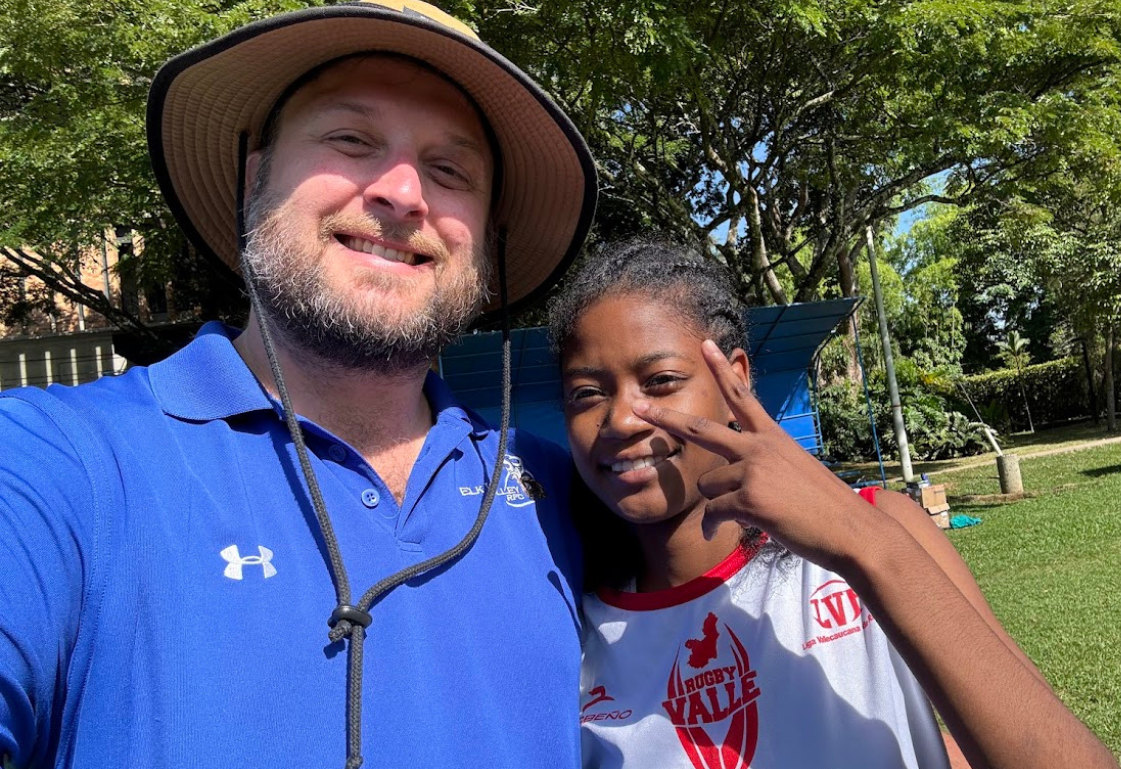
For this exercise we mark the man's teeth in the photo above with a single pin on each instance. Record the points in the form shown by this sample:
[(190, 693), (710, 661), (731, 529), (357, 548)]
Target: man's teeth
[(634, 464), (393, 255)]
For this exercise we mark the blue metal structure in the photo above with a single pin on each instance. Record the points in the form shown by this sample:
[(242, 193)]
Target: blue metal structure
[(783, 345)]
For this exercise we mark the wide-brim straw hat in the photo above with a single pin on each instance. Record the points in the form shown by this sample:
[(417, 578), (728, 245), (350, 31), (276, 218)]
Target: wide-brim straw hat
[(203, 100)]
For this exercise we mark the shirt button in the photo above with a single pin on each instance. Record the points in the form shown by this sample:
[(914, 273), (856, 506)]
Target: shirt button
[(336, 452), (370, 498)]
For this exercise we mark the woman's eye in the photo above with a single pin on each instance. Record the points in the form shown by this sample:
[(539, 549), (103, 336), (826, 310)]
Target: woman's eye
[(664, 382), (582, 394)]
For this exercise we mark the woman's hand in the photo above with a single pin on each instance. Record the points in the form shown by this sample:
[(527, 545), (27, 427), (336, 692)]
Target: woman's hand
[(770, 481)]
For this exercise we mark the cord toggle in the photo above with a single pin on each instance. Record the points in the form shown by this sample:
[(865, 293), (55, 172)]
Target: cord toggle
[(352, 614)]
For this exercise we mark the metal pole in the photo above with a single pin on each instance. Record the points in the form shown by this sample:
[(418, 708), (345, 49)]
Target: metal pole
[(889, 365), (868, 403)]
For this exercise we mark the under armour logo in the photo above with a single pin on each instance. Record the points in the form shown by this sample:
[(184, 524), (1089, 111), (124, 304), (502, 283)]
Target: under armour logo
[(235, 563)]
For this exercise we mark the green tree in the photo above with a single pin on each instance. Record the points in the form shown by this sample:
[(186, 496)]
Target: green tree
[(74, 77), (773, 132), (776, 131), (1014, 353), (930, 329)]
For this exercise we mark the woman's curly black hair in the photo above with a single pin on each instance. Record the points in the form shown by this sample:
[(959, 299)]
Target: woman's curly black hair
[(699, 288), (699, 291)]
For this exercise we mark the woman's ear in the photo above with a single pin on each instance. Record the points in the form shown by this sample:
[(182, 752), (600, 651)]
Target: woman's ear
[(742, 369), (740, 365)]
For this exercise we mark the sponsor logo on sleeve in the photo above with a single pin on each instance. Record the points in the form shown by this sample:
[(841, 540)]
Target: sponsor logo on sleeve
[(838, 613)]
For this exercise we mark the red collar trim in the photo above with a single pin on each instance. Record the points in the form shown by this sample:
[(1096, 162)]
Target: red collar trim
[(691, 590)]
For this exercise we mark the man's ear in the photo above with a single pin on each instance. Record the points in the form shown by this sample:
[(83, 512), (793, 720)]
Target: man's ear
[(252, 165)]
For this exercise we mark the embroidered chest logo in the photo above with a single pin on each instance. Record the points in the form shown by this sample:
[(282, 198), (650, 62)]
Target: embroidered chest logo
[(517, 484), (837, 610), (599, 694), (712, 702), (235, 563)]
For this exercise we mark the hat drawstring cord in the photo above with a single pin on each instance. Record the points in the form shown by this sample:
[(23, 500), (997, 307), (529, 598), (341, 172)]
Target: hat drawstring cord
[(352, 620)]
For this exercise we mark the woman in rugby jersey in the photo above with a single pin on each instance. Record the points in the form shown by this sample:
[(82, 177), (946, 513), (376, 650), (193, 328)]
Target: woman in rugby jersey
[(746, 607)]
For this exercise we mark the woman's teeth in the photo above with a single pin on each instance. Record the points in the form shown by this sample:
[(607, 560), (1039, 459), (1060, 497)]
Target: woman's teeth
[(635, 464), (393, 255)]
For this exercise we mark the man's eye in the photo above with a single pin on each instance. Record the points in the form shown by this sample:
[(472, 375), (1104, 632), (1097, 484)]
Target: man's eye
[(452, 176), (350, 141)]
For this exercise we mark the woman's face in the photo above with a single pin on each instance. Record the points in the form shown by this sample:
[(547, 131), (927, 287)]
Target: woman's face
[(625, 349)]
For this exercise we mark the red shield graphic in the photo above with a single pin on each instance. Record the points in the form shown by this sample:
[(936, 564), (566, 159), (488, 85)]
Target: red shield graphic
[(715, 711)]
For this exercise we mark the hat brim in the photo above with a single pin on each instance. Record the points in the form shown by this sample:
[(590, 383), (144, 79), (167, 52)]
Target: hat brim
[(202, 100)]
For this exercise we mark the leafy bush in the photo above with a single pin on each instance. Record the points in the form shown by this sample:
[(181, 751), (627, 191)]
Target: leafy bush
[(845, 428), (1056, 391), (933, 429)]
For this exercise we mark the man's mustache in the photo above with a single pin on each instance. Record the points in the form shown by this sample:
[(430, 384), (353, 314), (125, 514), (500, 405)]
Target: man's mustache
[(372, 228)]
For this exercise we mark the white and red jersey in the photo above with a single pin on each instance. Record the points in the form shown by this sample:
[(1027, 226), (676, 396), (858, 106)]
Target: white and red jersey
[(769, 663)]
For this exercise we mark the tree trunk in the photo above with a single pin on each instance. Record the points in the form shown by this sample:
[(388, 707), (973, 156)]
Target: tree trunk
[(1027, 408), (1107, 384), (846, 264), (761, 263), (1090, 382)]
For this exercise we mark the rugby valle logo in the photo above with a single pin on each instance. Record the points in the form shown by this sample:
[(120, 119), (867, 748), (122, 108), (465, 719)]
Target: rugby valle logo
[(712, 701)]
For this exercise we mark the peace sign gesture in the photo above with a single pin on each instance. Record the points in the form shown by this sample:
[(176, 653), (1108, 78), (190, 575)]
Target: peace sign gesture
[(770, 481)]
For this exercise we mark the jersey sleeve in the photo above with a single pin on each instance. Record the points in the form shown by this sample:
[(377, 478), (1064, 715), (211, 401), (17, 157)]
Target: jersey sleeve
[(47, 533)]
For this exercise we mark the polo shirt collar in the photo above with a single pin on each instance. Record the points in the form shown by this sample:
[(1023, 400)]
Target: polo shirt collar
[(208, 380), (445, 407)]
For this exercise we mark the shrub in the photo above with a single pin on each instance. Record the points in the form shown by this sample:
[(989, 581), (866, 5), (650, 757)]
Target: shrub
[(934, 431), (1056, 391), (845, 429)]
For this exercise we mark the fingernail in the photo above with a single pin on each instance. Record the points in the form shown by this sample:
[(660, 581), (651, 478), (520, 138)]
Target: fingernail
[(641, 407), (710, 347)]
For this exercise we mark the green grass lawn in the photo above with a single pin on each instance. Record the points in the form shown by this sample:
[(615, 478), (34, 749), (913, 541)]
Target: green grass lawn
[(1024, 443), (1050, 566)]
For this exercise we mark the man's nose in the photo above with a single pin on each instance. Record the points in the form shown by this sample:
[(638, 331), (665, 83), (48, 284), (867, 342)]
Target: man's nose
[(398, 192)]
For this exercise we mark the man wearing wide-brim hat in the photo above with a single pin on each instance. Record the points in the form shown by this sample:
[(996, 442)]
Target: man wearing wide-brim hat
[(290, 545)]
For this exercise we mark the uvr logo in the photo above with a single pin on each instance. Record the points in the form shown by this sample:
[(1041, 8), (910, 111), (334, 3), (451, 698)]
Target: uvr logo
[(235, 563)]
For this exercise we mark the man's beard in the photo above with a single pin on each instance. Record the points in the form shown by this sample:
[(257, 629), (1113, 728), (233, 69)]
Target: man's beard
[(355, 327)]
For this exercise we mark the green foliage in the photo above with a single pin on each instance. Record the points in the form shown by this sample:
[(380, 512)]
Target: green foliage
[(773, 132), (934, 429), (1014, 351), (74, 77), (777, 131), (845, 428), (925, 320), (1056, 391)]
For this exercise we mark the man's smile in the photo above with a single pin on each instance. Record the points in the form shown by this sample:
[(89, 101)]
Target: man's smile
[(363, 245)]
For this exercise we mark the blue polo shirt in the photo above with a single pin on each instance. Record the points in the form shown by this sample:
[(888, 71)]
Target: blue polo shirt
[(164, 589)]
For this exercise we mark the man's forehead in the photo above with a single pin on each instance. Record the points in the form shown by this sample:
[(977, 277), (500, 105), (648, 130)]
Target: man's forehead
[(362, 80)]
